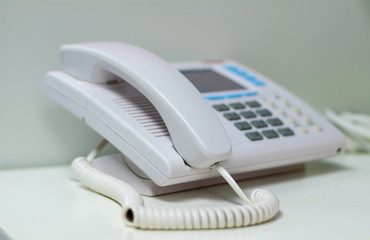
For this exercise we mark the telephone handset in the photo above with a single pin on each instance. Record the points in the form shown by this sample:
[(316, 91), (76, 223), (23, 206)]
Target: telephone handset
[(200, 141), (175, 124)]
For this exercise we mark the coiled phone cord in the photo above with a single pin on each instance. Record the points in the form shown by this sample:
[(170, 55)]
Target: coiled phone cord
[(356, 127), (262, 207)]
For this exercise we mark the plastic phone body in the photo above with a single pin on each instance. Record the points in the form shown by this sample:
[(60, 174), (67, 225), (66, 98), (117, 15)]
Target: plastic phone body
[(173, 121)]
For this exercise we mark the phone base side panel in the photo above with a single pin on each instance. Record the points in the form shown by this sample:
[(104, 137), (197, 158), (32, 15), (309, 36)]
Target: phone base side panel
[(116, 166)]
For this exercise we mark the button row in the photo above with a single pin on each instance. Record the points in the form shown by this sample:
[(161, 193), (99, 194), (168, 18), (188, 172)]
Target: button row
[(274, 122), (247, 114), (237, 105), (231, 95), (270, 133), (284, 101)]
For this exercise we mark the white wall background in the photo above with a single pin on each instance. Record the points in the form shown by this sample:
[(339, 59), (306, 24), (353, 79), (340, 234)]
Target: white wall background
[(318, 49)]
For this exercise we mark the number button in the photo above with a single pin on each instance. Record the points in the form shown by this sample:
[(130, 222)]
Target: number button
[(259, 123), (270, 134), (237, 105), (254, 136), (232, 116), (286, 132), (248, 114), (243, 125), (253, 104), (220, 107), (275, 122), (264, 113)]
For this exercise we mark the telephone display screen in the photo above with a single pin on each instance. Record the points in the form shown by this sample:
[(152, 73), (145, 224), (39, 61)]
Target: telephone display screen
[(207, 80)]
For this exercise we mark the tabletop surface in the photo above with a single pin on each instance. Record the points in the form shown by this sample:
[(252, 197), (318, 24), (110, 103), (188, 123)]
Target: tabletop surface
[(329, 199)]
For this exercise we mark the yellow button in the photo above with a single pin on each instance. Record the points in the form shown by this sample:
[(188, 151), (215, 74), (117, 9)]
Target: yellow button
[(296, 110), (317, 128), (306, 118), (285, 101), (303, 129), (281, 111), (292, 120), (270, 103)]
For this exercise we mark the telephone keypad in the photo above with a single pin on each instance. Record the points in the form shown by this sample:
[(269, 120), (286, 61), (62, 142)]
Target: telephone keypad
[(260, 122)]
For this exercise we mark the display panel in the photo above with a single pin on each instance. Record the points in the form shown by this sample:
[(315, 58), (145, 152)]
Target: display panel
[(207, 80)]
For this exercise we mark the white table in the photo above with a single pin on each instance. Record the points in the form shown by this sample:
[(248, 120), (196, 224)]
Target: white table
[(330, 199)]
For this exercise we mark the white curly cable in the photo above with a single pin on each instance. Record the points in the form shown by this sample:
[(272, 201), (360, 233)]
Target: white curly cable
[(262, 207), (356, 128), (105, 184)]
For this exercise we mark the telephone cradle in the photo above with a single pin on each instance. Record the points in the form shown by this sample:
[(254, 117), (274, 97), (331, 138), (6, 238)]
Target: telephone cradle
[(180, 126)]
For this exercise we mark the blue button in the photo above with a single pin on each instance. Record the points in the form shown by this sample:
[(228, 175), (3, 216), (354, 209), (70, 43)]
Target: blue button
[(254, 80), (231, 68), (248, 94), (238, 95), (259, 83), (245, 75), (230, 96), (251, 78), (239, 71), (214, 97)]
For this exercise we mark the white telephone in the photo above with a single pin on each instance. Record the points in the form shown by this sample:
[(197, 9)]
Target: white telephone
[(175, 124)]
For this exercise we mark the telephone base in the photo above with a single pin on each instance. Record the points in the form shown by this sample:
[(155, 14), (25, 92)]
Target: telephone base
[(116, 166)]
